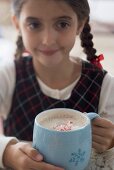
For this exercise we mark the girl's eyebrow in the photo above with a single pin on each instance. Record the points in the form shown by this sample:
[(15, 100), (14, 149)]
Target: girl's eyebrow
[(63, 17), (28, 19)]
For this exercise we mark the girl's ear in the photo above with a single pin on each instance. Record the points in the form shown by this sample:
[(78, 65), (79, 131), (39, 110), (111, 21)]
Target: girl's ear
[(15, 22)]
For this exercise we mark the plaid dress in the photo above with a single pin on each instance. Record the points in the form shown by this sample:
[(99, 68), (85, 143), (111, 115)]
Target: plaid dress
[(28, 99)]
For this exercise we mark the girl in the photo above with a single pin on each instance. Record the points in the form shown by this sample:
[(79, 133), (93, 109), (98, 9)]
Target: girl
[(49, 78)]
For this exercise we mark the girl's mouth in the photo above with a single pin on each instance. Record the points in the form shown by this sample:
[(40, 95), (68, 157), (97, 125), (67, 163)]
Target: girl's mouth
[(49, 52)]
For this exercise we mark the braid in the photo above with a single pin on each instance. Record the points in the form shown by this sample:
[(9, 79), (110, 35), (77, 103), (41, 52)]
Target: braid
[(20, 47), (86, 42)]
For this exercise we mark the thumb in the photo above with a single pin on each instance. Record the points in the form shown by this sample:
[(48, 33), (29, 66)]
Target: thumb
[(31, 152), (36, 155)]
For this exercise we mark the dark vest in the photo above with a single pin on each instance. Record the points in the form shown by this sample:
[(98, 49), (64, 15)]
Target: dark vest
[(28, 99)]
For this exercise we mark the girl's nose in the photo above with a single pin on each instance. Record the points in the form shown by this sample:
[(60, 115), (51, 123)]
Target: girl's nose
[(49, 37)]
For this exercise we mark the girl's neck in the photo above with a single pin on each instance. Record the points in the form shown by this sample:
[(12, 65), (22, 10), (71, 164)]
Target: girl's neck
[(60, 76)]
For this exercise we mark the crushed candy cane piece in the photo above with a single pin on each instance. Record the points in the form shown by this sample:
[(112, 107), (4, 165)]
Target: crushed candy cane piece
[(64, 127)]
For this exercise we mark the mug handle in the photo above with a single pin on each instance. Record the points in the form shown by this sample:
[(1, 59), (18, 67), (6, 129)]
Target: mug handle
[(92, 115)]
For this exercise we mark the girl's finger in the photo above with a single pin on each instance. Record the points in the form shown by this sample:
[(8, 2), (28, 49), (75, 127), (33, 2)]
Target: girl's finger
[(102, 122), (101, 140), (98, 147), (103, 132)]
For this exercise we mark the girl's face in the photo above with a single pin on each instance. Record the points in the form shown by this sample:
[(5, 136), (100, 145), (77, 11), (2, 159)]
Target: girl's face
[(48, 28)]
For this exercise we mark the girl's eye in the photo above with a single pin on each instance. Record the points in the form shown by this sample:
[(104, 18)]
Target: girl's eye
[(62, 25), (34, 25)]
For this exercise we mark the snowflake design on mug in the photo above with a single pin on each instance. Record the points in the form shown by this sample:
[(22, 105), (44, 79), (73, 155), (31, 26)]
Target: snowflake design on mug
[(77, 157)]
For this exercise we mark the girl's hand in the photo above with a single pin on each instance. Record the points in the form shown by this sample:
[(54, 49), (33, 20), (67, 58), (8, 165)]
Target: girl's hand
[(102, 134), (21, 156)]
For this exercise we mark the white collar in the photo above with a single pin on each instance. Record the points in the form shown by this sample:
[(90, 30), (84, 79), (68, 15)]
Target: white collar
[(55, 93)]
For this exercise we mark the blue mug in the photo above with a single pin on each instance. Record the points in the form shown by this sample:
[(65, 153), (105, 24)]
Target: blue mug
[(70, 149)]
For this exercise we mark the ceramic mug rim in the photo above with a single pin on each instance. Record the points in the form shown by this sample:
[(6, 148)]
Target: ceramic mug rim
[(62, 109)]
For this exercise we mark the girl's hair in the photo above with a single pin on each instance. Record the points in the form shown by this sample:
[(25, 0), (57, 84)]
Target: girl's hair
[(82, 9)]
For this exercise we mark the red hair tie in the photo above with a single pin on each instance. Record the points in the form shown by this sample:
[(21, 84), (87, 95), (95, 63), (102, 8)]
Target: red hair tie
[(97, 60)]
